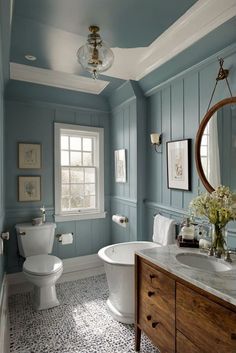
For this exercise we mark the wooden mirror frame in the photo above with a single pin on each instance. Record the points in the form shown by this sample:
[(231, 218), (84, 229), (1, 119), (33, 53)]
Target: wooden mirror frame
[(200, 132)]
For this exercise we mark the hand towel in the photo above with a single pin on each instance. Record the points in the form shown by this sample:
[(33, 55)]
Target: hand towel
[(163, 230)]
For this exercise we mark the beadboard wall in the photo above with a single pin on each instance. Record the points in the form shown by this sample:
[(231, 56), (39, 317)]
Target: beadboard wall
[(33, 121), (175, 109)]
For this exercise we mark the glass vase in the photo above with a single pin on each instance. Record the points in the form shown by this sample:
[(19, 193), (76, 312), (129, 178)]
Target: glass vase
[(219, 239)]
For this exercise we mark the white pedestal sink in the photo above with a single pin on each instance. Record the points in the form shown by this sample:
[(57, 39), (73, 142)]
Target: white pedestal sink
[(203, 262)]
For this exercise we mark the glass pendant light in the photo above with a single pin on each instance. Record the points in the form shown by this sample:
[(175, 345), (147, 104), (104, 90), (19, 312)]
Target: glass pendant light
[(95, 56)]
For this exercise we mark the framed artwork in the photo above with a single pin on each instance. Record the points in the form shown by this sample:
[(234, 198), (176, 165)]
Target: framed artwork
[(120, 166), (178, 164), (29, 155), (29, 188)]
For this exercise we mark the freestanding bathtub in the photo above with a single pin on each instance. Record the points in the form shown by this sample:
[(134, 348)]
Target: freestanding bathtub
[(119, 266)]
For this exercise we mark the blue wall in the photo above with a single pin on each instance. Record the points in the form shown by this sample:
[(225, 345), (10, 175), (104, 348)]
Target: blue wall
[(175, 108), (4, 76), (128, 119), (29, 120), (2, 211)]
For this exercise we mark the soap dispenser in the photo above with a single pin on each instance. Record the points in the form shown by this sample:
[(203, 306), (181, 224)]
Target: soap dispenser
[(187, 230), (43, 213)]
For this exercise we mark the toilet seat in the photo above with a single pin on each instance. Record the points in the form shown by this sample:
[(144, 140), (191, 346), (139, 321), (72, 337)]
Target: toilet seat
[(42, 265)]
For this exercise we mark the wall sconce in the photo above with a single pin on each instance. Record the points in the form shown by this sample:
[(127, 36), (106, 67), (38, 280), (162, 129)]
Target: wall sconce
[(155, 140)]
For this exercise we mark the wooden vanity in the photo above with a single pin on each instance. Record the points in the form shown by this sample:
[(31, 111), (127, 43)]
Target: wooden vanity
[(178, 316)]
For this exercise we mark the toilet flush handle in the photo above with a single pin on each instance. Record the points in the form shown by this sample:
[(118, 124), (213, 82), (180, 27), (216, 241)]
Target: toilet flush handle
[(22, 233)]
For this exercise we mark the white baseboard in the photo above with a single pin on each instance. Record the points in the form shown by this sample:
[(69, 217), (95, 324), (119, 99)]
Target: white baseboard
[(73, 269), (4, 318)]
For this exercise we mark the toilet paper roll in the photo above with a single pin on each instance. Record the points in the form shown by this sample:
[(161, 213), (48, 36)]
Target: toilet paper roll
[(121, 220), (67, 238)]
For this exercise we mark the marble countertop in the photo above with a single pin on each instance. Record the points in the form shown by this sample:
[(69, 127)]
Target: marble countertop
[(221, 284)]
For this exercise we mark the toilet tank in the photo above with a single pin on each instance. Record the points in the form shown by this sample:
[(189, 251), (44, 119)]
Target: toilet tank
[(35, 240)]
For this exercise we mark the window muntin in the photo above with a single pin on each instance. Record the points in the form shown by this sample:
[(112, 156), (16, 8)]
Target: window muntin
[(78, 169)]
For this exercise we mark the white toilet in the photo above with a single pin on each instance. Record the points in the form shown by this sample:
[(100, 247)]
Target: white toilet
[(41, 269)]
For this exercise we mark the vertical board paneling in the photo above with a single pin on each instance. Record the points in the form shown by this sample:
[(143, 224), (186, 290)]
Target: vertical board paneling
[(190, 127), (184, 103), (166, 131), (126, 145), (133, 151), (124, 122), (2, 203), (33, 122), (177, 130)]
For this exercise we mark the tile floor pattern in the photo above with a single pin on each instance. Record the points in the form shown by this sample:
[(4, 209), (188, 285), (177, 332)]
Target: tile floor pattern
[(81, 324)]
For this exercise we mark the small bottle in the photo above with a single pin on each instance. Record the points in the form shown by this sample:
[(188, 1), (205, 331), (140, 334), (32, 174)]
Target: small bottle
[(187, 231), (43, 211)]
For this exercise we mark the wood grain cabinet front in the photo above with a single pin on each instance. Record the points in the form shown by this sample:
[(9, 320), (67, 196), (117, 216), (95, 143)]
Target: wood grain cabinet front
[(206, 323), (184, 345), (156, 307), (176, 317)]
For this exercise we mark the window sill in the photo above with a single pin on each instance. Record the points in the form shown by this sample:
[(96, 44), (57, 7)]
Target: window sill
[(78, 217)]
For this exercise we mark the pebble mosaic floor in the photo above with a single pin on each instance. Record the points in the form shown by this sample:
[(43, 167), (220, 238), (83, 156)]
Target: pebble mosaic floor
[(81, 324)]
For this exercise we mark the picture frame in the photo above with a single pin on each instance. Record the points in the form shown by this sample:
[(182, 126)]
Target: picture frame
[(120, 166), (29, 188), (29, 155), (178, 164)]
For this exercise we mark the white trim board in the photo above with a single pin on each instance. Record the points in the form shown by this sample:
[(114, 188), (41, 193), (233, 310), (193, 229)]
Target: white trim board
[(59, 79), (202, 18), (135, 63), (73, 269), (4, 318)]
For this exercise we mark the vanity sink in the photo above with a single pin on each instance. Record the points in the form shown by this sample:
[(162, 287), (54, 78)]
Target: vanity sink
[(203, 262)]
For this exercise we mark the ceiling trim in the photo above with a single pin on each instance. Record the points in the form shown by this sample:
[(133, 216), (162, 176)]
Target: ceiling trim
[(56, 79), (202, 18), (197, 67)]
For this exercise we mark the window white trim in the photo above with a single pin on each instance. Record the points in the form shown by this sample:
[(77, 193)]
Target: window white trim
[(98, 212)]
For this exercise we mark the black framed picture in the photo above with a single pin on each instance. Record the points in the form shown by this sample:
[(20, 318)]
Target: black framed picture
[(178, 164)]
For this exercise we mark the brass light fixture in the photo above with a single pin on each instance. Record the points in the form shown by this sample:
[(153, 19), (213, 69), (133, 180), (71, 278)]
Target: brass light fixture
[(95, 56)]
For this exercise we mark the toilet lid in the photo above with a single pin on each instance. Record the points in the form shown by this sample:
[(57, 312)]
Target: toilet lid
[(42, 264)]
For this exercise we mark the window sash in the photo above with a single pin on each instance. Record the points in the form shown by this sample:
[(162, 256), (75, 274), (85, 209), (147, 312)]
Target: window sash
[(96, 134)]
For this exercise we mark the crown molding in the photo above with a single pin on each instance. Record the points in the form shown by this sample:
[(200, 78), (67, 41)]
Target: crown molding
[(64, 80), (202, 18)]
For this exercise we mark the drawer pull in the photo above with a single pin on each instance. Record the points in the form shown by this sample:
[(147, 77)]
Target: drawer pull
[(233, 336), (152, 276), (154, 324), (150, 293), (149, 317)]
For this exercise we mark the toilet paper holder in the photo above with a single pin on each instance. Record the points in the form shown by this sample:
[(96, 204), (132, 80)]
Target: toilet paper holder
[(59, 238)]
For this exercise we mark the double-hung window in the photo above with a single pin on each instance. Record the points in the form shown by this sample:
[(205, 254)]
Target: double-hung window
[(79, 172)]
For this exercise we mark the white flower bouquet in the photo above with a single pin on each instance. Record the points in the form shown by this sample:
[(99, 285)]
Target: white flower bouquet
[(219, 208)]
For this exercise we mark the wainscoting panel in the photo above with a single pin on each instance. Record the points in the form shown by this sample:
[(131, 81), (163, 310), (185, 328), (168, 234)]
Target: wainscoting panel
[(128, 209), (34, 122), (177, 107)]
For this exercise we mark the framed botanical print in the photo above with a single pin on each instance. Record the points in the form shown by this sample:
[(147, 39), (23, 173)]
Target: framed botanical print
[(120, 166), (178, 164), (29, 155), (29, 188)]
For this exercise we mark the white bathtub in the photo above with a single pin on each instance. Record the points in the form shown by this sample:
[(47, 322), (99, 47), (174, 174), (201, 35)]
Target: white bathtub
[(119, 266)]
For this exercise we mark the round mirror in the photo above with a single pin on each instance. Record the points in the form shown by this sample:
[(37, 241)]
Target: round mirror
[(215, 149)]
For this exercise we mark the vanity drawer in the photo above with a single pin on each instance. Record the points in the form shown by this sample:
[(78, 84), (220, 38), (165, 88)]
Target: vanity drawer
[(183, 345), (154, 325), (155, 279), (158, 291), (204, 322), (164, 305)]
